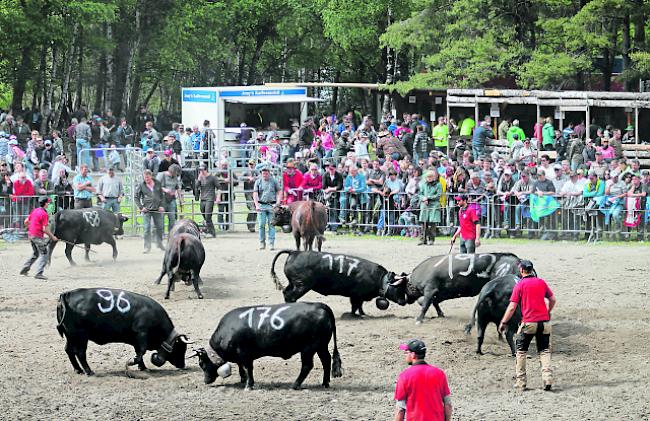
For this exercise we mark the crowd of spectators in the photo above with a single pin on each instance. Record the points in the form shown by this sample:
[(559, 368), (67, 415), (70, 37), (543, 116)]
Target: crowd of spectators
[(395, 177), (401, 176)]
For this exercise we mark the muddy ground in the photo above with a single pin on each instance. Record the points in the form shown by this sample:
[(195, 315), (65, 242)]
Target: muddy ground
[(600, 341)]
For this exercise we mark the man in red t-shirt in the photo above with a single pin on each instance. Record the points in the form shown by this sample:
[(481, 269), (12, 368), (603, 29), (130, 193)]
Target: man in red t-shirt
[(422, 392), (531, 293), (37, 228), (469, 227)]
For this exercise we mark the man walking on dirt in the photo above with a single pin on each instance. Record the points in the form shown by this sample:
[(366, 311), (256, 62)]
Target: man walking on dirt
[(469, 227), (37, 223), (531, 292), (422, 392)]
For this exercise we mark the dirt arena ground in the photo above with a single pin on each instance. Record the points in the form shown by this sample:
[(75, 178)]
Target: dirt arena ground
[(600, 342)]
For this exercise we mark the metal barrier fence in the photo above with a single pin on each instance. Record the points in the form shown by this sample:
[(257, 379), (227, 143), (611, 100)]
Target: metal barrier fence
[(386, 215)]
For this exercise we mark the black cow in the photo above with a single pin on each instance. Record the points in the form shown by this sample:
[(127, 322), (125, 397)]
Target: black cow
[(86, 226), (490, 307), (339, 274), (105, 315), (450, 276), (184, 226), (184, 258), (189, 175), (248, 333)]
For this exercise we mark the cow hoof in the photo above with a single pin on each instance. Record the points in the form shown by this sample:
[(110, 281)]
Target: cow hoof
[(326, 385), (90, 373), (80, 371), (479, 352), (248, 388), (200, 296), (166, 297), (295, 386), (418, 322)]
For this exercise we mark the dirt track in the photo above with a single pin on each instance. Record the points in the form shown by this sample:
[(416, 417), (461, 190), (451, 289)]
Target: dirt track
[(601, 333)]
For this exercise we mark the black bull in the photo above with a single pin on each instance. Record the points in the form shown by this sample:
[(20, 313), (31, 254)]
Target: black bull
[(184, 258), (338, 274), (441, 278), (282, 330), (86, 226), (490, 308), (104, 315)]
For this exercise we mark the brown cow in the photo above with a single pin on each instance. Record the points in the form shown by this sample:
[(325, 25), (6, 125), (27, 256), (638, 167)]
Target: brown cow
[(308, 220)]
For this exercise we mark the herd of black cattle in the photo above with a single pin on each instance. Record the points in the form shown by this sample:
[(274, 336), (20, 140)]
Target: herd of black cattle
[(105, 315)]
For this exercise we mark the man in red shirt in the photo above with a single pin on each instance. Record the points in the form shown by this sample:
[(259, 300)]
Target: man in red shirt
[(469, 226), (531, 293), (422, 392), (37, 223)]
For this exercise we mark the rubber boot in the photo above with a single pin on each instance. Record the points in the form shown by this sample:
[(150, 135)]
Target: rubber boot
[(547, 371), (520, 370), (423, 235)]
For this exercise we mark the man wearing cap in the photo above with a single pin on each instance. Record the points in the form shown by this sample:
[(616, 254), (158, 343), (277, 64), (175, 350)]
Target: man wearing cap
[(422, 392), (168, 160), (266, 194), (37, 227), (292, 183), (206, 190), (531, 293), (480, 138), (151, 162), (469, 228)]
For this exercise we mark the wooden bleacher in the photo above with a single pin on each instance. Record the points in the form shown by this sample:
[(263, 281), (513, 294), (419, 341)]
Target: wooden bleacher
[(638, 151), (630, 151)]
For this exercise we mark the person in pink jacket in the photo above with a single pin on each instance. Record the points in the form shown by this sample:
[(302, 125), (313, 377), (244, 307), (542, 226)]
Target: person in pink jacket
[(312, 183)]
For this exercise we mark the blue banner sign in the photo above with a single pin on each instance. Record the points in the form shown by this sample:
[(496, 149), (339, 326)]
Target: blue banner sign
[(193, 95), (264, 92)]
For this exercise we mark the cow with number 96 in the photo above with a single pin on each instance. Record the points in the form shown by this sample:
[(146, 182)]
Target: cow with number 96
[(283, 330), (104, 315)]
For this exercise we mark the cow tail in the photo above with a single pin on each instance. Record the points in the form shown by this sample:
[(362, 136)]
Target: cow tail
[(472, 320), (276, 281), (337, 368), (60, 313)]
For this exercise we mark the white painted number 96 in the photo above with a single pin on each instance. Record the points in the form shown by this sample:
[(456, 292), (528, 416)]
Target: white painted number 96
[(121, 304)]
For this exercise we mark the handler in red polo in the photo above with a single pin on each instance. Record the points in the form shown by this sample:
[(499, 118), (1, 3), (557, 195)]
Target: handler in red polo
[(37, 223), (531, 293), (469, 227), (422, 392)]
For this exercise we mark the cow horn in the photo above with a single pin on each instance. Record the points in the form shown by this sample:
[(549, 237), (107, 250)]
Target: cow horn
[(398, 281), (184, 339), (194, 353)]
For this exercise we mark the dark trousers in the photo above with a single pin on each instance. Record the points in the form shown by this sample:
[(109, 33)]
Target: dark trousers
[(83, 203), (525, 337), (207, 207)]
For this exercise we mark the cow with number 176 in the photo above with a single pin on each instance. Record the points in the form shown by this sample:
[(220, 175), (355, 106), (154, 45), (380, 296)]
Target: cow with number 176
[(281, 330)]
